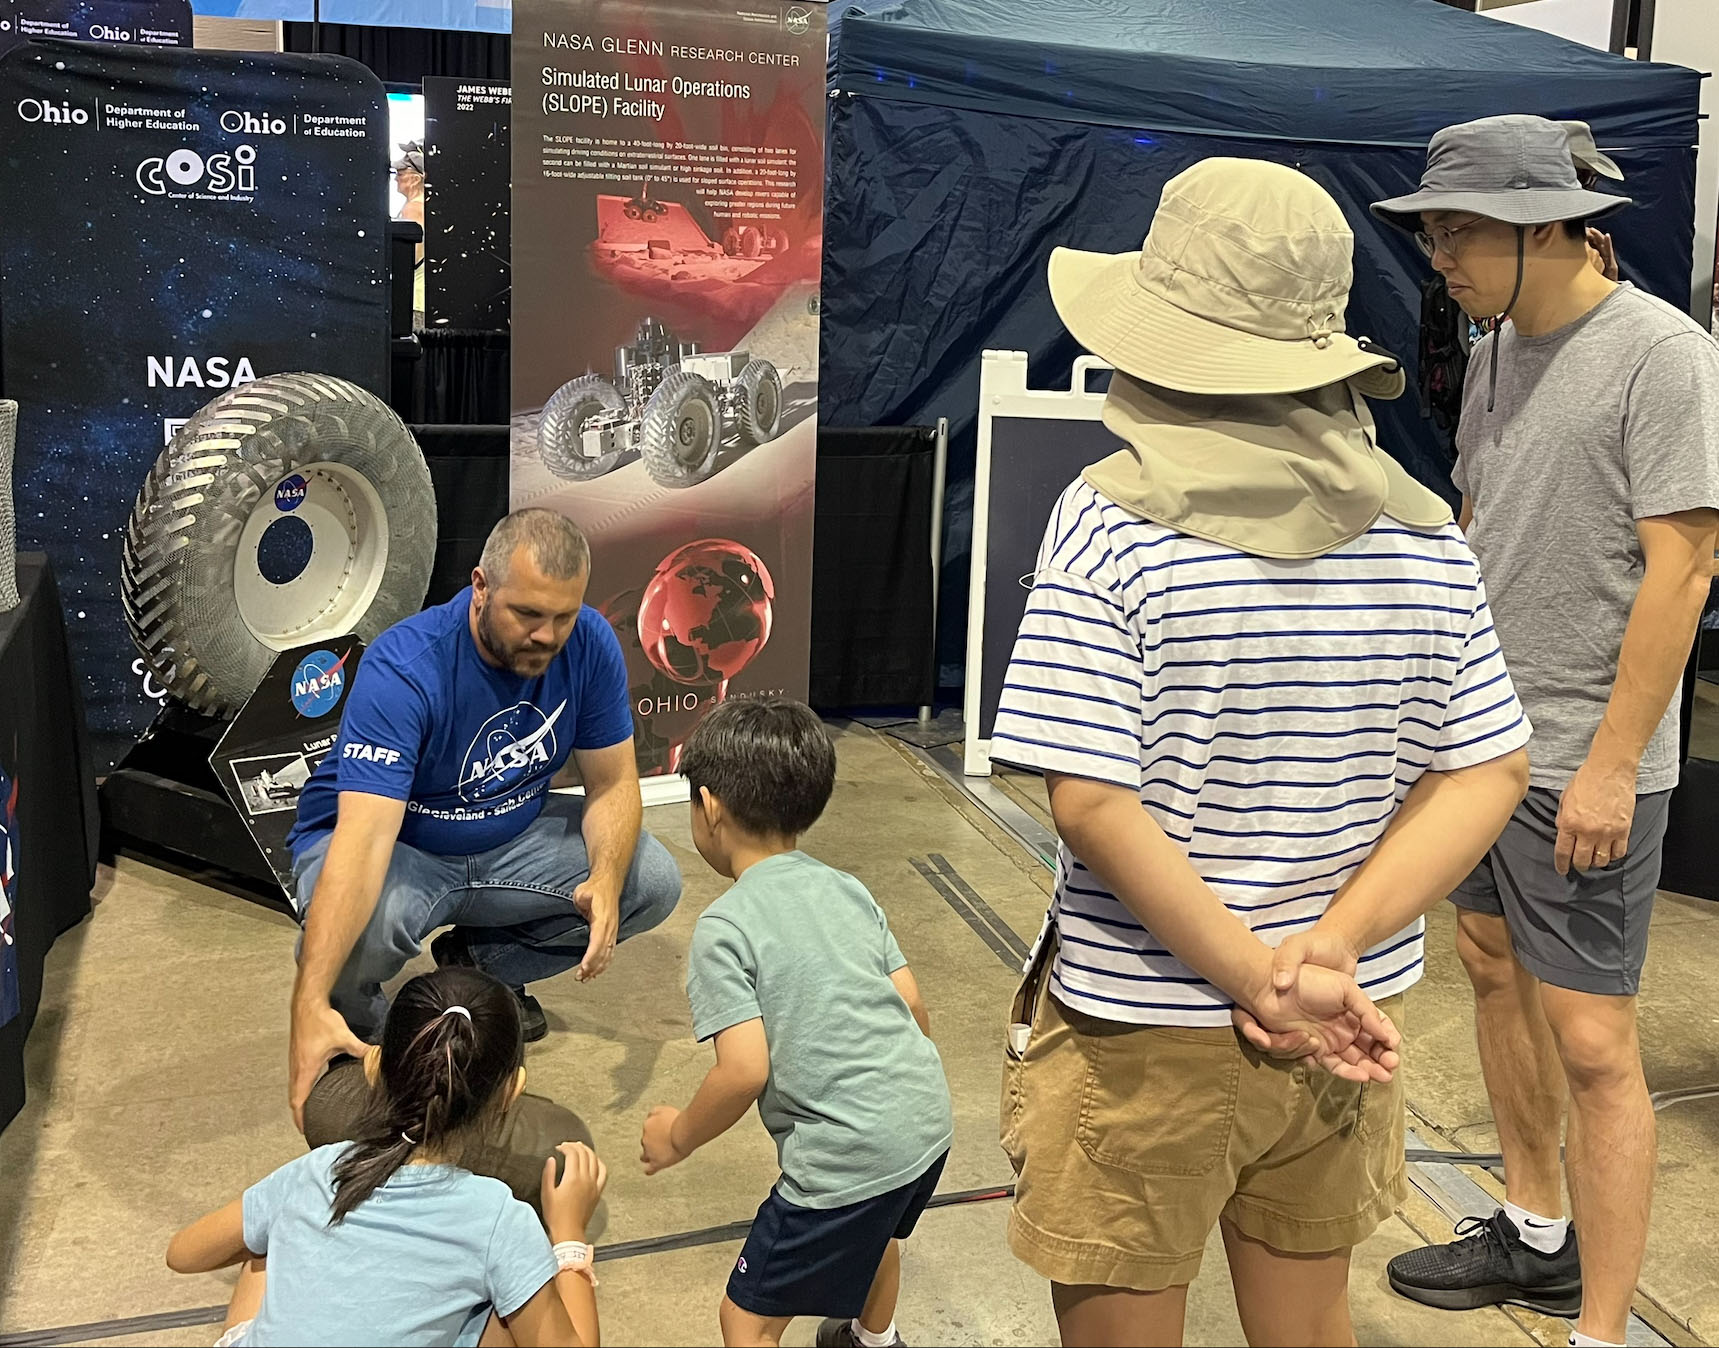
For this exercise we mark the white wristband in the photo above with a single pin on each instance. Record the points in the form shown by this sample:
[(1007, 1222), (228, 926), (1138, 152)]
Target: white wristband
[(578, 1257)]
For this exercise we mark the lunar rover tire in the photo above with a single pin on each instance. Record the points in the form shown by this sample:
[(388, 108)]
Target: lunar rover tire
[(559, 432), (759, 413), (682, 433), (305, 447)]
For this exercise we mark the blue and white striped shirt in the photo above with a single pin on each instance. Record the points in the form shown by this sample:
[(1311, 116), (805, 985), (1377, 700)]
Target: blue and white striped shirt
[(1271, 714)]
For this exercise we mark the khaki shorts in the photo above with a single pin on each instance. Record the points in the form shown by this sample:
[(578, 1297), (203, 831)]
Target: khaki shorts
[(1130, 1141)]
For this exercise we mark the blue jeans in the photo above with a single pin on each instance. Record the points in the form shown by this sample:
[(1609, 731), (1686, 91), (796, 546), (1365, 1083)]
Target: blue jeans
[(513, 902)]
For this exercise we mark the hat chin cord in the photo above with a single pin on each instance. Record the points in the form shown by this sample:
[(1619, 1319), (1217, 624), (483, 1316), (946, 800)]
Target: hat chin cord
[(1498, 332)]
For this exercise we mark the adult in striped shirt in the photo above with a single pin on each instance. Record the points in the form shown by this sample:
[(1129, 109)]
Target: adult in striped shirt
[(1258, 671)]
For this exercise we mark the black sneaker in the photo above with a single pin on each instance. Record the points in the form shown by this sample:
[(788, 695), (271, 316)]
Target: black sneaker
[(1490, 1265), (449, 952), (840, 1334)]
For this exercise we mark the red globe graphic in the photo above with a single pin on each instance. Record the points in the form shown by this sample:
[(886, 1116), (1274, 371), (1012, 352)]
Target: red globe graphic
[(707, 611)]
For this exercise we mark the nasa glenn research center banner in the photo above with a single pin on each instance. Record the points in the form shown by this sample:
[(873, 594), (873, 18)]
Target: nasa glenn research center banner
[(668, 180), (176, 224)]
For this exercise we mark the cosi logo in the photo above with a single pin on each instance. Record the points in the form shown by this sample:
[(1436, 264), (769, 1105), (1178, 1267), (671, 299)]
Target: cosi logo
[(57, 114), (318, 682), (252, 124), (220, 175), (186, 372)]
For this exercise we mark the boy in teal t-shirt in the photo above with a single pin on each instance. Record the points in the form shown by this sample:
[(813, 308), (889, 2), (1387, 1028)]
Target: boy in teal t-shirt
[(816, 1017)]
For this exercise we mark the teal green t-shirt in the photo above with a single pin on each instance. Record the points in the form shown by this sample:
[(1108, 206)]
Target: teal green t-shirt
[(856, 1099)]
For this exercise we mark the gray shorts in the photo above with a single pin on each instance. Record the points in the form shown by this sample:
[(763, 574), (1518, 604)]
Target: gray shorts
[(1586, 931)]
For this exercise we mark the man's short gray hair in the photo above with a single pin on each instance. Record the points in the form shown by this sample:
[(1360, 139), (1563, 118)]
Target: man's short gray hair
[(554, 541)]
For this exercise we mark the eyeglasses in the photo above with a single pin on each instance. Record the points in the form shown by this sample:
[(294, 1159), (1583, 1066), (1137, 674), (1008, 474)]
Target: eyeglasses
[(1442, 239)]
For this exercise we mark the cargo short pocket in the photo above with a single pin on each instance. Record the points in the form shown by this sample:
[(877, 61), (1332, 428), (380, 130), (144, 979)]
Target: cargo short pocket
[(1158, 1102)]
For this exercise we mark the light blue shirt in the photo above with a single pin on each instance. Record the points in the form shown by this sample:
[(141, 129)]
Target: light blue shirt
[(423, 1260)]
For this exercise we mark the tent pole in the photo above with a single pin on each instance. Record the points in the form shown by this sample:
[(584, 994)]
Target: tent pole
[(938, 472), (1620, 26)]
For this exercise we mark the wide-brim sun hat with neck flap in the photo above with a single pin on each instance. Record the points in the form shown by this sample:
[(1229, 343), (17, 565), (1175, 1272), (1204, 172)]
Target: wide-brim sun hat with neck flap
[(1241, 287)]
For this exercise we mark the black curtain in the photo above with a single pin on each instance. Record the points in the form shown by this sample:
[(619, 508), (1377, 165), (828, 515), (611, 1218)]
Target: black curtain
[(463, 377), (872, 640), (468, 465), (406, 55)]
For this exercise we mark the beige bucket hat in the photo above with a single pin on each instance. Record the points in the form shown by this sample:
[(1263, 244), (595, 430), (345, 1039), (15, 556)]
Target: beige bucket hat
[(1240, 287)]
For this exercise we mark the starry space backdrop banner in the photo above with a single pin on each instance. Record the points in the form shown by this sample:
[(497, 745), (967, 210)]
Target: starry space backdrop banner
[(173, 223), (467, 191), (150, 23)]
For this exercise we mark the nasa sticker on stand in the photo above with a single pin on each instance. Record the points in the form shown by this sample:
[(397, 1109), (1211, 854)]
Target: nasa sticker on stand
[(318, 682), (282, 733)]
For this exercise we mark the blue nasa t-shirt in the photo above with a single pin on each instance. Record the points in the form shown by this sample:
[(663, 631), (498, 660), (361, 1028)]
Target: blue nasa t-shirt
[(470, 748)]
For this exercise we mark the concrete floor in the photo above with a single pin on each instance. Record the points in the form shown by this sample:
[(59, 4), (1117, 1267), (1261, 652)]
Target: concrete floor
[(158, 1084)]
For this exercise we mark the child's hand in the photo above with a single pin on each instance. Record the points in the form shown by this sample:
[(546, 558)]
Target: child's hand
[(656, 1146), (569, 1202)]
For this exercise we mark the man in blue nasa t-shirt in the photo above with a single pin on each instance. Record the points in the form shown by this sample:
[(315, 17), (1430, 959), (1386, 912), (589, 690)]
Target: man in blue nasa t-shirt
[(433, 808)]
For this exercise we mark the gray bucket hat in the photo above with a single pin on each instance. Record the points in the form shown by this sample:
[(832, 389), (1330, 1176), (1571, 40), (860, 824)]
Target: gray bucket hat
[(1516, 169), (1588, 155)]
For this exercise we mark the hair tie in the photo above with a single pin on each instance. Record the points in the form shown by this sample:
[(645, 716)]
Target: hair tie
[(457, 1011)]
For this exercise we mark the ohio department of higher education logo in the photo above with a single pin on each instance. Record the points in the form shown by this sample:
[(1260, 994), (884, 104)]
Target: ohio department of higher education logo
[(318, 682), (511, 747), (797, 21)]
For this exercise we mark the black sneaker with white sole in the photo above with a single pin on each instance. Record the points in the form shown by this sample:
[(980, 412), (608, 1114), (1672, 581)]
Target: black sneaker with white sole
[(840, 1334), (1490, 1265), (449, 951)]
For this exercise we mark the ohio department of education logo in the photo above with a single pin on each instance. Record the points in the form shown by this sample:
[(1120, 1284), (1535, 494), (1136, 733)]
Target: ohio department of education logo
[(797, 21), (318, 682), (513, 746)]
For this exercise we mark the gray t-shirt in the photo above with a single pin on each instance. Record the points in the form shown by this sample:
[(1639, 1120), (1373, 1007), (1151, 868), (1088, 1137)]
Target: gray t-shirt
[(1611, 419), (856, 1099)]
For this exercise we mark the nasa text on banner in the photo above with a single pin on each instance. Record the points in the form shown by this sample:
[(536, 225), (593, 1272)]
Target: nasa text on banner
[(148, 23), (276, 741), (667, 242), (467, 183), (177, 223)]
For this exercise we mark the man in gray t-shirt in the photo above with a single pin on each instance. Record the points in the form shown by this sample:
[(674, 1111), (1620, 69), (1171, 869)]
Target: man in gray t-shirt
[(1588, 460)]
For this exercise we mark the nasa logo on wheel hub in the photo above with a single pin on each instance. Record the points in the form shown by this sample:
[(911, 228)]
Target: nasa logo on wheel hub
[(318, 682), (290, 493)]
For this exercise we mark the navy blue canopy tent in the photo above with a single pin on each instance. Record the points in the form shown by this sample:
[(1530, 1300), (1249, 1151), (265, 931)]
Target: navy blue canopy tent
[(970, 137)]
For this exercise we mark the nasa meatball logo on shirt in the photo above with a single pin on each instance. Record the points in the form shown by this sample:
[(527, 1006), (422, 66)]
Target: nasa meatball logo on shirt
[(509, 749)]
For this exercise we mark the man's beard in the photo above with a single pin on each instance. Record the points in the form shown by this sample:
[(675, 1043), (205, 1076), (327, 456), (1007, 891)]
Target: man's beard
[(526, 660)]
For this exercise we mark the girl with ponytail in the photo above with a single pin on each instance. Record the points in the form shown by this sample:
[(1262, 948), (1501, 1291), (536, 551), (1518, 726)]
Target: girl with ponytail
[(390, 1239)]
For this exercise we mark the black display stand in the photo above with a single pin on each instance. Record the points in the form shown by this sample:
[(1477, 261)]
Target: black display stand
[(164, 802), (44, 748)]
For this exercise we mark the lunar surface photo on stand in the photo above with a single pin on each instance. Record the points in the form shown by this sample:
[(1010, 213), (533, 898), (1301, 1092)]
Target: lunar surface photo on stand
[(271, 784)]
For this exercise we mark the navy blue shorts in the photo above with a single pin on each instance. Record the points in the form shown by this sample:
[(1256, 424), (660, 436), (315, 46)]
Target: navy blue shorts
[(821, 1261)]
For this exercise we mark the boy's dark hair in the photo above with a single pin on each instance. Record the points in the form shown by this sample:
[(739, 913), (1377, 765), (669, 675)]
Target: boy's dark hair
[(1575, 229), (768, 760), (442, 1073)]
